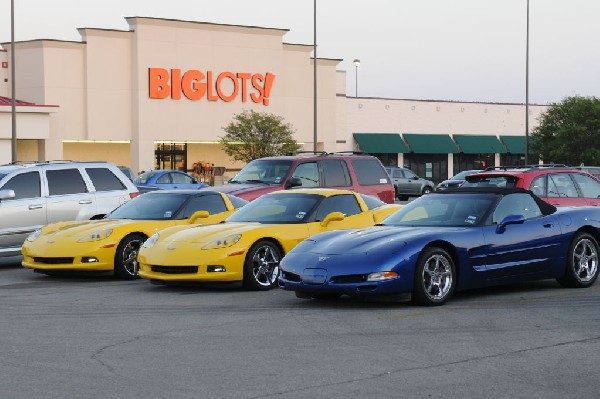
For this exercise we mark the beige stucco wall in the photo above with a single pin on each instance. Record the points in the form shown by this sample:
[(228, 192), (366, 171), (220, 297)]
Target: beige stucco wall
[(117, 153)]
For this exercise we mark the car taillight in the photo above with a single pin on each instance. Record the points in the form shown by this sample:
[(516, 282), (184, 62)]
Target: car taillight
[(133, 195)]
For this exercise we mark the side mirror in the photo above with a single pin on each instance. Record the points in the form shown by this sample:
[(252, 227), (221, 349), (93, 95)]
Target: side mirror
[(510, 219), (198, 215), (332, 217), (293, 182), (7, 194)]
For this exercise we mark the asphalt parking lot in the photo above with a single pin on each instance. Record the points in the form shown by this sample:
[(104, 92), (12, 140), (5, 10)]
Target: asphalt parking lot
[(96, 337)]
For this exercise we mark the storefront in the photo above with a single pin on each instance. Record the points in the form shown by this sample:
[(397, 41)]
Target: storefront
[(159, 94)]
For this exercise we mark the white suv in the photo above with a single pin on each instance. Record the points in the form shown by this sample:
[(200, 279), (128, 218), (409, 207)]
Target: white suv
[(35, 194)]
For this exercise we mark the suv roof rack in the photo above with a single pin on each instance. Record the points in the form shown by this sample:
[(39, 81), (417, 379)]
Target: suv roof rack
[(346, 153), (306, 153), (534, 166)]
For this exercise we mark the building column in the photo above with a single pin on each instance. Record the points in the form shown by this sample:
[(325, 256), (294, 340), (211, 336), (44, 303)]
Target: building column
[(450, 166), (142, 155), (497, 160), (50, 149), (400, 160)]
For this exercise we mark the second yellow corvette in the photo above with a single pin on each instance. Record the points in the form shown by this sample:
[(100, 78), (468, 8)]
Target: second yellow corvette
[(112, 243), (248, 246)]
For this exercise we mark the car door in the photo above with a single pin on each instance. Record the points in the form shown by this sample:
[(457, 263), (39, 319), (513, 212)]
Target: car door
[(23, 214), (529, 246), (561, 190), (182, 180), (68, 193)]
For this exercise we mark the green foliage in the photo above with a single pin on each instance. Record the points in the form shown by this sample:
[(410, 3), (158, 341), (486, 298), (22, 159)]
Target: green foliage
[(569, 132), (253, 135)]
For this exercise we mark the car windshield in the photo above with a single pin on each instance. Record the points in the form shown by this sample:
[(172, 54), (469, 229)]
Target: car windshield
[(444, 210), (462, 175), (144, 178), (278, 208), (491, 181), (263, 171), (150, 206)]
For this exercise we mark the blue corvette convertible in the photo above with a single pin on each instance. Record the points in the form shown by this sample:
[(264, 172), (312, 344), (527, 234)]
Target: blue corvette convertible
[(453, 240)]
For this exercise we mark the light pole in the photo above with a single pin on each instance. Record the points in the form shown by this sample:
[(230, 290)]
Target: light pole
[(13, 103), (315, 78), (527, 91), (356, 65)]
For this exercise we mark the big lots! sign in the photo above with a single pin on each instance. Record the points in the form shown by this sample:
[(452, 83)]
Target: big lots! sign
[(196, 85)]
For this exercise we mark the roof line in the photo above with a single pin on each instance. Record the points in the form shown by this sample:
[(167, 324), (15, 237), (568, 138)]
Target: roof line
[(206, 23)]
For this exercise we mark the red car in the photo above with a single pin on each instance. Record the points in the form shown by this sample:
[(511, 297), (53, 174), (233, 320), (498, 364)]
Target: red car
[(558, 185)]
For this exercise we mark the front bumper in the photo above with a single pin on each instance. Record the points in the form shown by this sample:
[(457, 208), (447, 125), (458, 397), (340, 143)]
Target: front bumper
[(48, 258)]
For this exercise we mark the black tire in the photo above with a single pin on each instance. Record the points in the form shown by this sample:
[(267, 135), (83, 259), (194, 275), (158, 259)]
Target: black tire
[(435, 277), (261, 266), (426, 190), (582, 262), (126, 265)]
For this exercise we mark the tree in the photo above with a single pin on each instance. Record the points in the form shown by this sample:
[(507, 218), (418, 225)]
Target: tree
[(253, 135), (569, 132)]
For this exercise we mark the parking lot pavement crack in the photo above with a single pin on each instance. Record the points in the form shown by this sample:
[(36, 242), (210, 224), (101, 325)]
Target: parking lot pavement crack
[(429, 367)]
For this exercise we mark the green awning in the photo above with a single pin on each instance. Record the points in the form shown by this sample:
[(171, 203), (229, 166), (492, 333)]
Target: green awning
[(515, 144), (430, 143), (477, 144), (381, 143)]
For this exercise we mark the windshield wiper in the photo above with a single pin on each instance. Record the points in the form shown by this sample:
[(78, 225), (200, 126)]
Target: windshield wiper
[(256, 181)]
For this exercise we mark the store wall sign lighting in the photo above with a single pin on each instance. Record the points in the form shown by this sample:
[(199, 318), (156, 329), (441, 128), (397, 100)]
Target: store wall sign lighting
[(197, 85)]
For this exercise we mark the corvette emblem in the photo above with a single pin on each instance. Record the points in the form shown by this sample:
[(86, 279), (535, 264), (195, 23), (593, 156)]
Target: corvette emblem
[(170, 248), (322, 258)]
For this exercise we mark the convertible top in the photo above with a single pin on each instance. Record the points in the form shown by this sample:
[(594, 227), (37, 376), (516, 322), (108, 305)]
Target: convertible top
[(546, 208)]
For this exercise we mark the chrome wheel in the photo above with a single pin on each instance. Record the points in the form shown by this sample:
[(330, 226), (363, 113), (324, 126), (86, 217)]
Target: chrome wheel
[(435, 277), (126, 264), (585, 260), (262, 266)]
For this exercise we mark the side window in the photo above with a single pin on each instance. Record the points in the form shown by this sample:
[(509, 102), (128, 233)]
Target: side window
[(236, 202), (104, 179), (335, 173), (164, 179), (561, 185), (308, 173), (369, 172), (398, 174), (345, 203), (516, 204), (590, 188), (212, 203), (65, 181), (25, 185), (410, 174), (180, 178), (372, 202), (538, 186)]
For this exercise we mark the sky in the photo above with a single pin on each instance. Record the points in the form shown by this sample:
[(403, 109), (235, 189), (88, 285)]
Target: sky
[(456, 50)]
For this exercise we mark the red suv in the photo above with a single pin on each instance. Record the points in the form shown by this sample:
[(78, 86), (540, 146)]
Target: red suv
[(559, 185), (350, 171)]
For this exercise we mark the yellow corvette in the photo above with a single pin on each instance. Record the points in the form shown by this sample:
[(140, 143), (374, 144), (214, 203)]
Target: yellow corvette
[(248, 246), (112, 243)]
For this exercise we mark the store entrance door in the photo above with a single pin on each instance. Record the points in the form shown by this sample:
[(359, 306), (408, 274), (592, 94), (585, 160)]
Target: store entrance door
[(171, 156)]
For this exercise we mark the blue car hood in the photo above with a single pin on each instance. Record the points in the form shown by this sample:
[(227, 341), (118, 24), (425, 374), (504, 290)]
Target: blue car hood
[(374, 239)]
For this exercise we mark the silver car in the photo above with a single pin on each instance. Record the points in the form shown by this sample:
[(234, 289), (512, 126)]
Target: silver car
[(35, 194), (408, 184)]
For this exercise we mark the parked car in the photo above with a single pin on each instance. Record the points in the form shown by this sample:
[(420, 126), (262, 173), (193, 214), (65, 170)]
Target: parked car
[(556, 184), (111, 244), (35, 194), (592, 170), (163, 179), (447, 241), (456, 181), (247, 247), (408, 184), (347, 171)]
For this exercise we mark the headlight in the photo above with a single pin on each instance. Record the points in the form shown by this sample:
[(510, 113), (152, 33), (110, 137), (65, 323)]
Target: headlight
[(151, 241), (34, 235), (223, 242), (382, 276), (96, 236)]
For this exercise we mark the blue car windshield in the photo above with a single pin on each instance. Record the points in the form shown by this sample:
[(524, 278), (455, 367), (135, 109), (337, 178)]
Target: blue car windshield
[(150, 206), (444, 210), (271, 171), (278, 208), (144, 178)]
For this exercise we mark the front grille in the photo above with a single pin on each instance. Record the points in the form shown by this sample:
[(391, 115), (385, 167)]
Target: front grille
[(291, 276), (175, 269), (53, 261), (349, 278)]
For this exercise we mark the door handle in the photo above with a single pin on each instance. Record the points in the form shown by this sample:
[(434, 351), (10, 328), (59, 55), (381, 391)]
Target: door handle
[(35, 206), (85, 202), (548, 225)]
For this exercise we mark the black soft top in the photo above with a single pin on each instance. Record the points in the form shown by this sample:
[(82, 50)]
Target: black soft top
[(546, 208)]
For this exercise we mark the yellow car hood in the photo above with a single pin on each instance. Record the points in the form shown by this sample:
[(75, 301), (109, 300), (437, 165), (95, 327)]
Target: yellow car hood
[(206, 234), (78, 229)]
